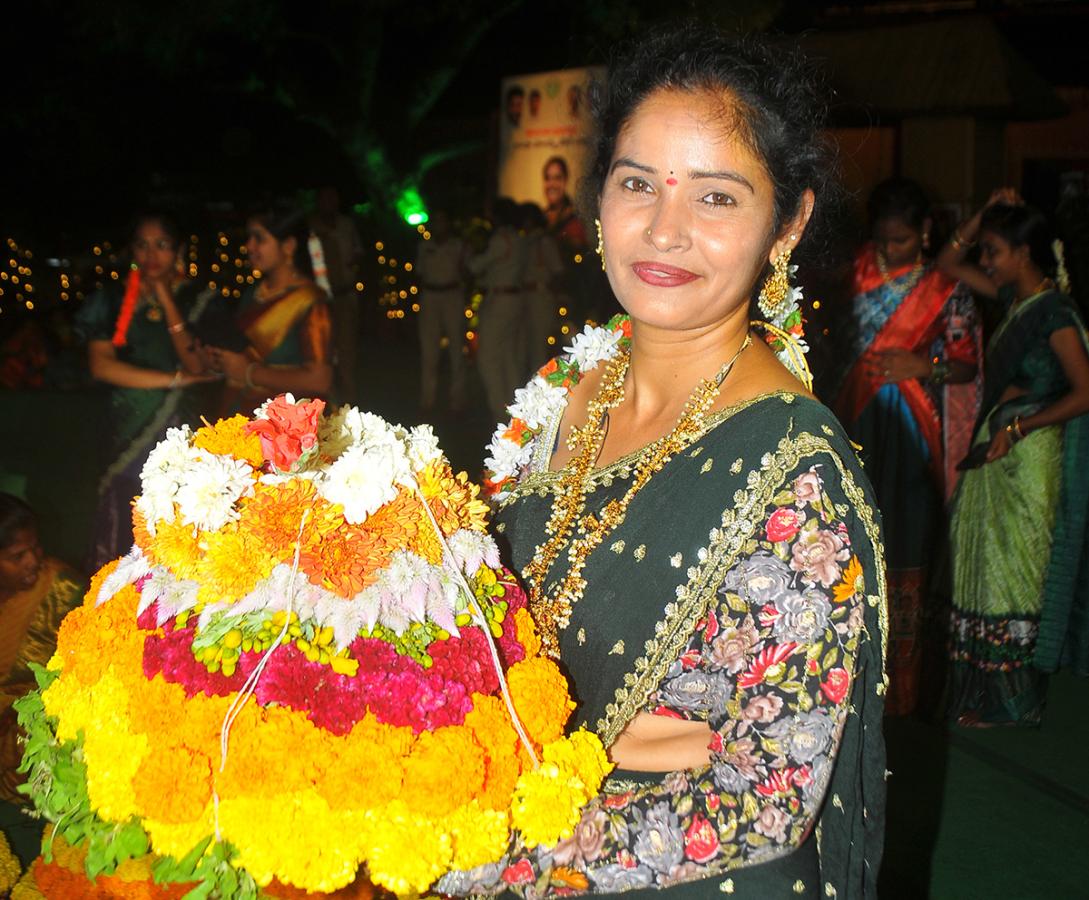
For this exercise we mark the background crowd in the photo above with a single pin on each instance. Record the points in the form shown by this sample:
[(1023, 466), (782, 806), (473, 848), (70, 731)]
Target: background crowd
[(948, 339)]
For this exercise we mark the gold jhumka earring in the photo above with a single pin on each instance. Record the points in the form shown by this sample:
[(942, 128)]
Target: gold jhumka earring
[(776, 292), (600, 249)]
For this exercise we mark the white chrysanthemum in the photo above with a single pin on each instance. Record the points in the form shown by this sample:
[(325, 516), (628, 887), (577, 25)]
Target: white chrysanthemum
[(422, 446), (471, 550), (592, 346), (536, 402), (363, 479), (339, 431), (212, 485), (506, 458), (162, 474)]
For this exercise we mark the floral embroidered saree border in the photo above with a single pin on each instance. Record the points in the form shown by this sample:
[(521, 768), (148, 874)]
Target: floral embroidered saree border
[(738, 525)]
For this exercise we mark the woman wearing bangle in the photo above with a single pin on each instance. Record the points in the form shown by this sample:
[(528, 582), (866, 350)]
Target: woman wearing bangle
[(1019, 521), (914, 337), (138, 343), (285, 318)]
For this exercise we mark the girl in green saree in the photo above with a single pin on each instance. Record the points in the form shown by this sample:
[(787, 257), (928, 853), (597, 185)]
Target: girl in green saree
[(697, 537), (139, 343), (1019, 522)]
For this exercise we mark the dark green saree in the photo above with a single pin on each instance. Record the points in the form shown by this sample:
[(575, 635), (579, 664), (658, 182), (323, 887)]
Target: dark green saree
[(745, 588)]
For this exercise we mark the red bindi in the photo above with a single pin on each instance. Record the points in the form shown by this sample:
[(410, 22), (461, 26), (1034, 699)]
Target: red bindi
[(672, 182)]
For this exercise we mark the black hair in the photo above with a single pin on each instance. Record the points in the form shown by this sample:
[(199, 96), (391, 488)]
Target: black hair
[(777, 106), (163, 220), (15, 516), (285, 221), (898, 198), (505, 212), (531, 216), (1021, 226), (555, 161)]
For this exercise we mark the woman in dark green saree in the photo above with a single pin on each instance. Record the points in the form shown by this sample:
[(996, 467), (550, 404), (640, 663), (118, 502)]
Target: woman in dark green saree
[(1019, 528), (139, 343), (698, 540)]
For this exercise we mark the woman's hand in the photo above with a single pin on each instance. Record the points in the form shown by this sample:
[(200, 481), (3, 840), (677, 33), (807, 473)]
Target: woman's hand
[(1001, 444), (893, 366), (233, 365)]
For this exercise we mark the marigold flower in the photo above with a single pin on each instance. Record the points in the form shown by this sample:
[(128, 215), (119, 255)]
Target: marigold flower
[(231, 437)]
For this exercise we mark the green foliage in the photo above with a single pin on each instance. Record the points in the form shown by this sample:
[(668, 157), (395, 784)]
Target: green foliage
[(57, 784)]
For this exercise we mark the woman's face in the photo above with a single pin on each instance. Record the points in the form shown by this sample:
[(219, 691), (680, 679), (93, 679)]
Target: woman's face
[(687, 214), (265, 252), (153, 250), (898, 243), (21, 562), (555, 184), (1000, 259)]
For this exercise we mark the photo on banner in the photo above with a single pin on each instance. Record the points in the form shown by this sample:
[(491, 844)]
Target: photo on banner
[(544, 136)]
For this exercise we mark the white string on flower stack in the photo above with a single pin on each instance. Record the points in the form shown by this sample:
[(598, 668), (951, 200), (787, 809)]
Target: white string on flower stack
[(481, 621), (250, 686)]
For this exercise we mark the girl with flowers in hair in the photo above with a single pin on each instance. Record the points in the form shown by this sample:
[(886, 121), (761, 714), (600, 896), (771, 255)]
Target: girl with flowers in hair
[(698, 540), (139, 343), (1020, 521), (285, 320)]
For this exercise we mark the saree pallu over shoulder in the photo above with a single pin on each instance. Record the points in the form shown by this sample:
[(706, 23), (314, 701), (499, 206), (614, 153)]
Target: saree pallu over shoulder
[(656, 577), (889, 318), (267, 326)]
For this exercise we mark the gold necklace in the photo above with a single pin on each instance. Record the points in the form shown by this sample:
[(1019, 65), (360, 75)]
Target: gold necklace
[(913, 277), (584, 532)]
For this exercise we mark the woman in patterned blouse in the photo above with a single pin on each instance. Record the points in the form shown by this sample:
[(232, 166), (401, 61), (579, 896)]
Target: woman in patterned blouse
[(705, 550)]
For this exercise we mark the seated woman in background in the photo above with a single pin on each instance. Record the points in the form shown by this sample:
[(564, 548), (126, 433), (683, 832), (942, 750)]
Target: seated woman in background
[(913, 335), (1019, 521), (36, 592), (285, 318), (139, 343)]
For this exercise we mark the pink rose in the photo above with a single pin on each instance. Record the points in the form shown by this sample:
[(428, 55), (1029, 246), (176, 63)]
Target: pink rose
[(835, 686), (700, 840), (763, 708), (782, 525), (807, 488), (817, 556), (772, 822)]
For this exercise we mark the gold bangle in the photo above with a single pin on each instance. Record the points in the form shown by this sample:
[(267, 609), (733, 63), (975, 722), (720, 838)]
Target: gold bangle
[(958, 242), (1016, 423), (175, 382), (176, 328), (249, 377)]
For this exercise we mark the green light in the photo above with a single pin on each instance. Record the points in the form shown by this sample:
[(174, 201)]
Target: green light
[(410, 207)]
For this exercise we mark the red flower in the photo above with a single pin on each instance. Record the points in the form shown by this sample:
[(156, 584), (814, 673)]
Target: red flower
[(289, 431), (667, 712), (520, 873), (710, 629), (779, 783), (835, 686), (768, 615), (618, 801), (716, 744), (700, 841), (768, 658), (811, 667), (713, 802), (782, 525), (690, 659)]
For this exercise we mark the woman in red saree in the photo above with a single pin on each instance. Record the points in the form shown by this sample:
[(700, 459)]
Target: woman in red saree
[(908, 397)]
